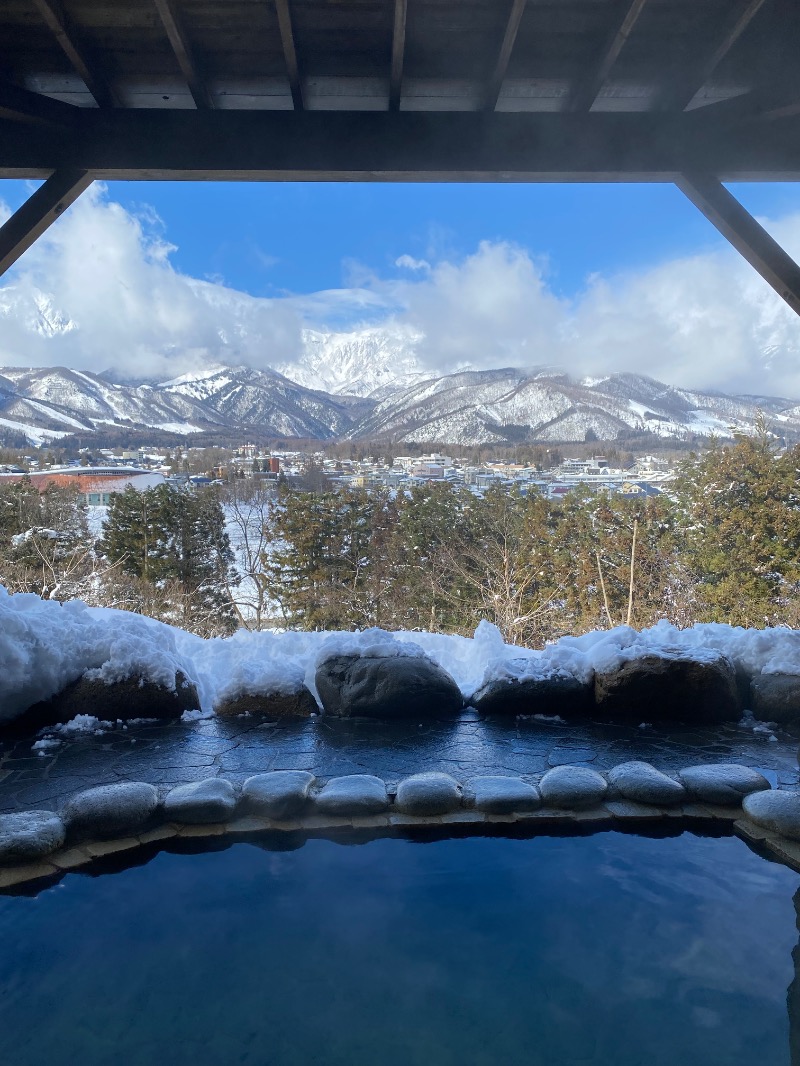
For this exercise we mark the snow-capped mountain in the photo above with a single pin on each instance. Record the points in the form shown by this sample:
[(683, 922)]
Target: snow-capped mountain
[(47, 403), (470, 407), (546, 404), (357, 363)]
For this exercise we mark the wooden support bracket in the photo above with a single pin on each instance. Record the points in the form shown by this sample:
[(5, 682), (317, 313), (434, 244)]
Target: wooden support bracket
[(39, 212), (747, 236)]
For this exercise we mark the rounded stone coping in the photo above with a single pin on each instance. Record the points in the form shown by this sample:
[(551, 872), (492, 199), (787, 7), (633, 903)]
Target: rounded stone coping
[(317, 813), (622, 816)]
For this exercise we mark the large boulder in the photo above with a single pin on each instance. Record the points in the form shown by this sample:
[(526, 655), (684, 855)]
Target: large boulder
[(775, 697), (29, 835), (775, 810), (201, 802), (386, 686), (572, 787), (280, 794), (110, 810), (669, 687), (723, 783), (297, 704), (501, 795), (134, 697), (642, 783), (427, 794), (356, 794), (558, 694)]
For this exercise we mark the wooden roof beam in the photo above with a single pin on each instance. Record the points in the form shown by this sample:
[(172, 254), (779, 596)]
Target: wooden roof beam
[(21, 105), (742, 14), (184, 54), (261, 145), (747, 236), (506, 48), (40, 211), (587, 89), (60, 25), (398, 52), (290, 53)]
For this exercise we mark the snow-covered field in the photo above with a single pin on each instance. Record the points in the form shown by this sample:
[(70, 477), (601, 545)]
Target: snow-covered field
[(44, 645)]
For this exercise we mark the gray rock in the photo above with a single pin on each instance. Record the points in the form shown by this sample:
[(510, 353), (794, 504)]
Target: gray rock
[(352, 686), (501, 795), (775, 810), (29, 835), (135, 697), (299, 704), (559, 695), (357, 794), (658, 688), (281, 794), (722, 783), (110, 810), (428, 794), (572, 787), (201, 802), (775, 697), (642, 783)]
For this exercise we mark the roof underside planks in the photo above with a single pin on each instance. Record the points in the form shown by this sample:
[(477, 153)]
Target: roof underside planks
[(498, 90), (442, 55)]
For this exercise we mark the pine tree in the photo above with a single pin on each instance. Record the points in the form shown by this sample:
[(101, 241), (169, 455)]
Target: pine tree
[(174, 541), (740, 509)]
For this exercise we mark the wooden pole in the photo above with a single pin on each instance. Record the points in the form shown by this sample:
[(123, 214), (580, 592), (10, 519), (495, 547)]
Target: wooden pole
[(603, 587), (633, 558)]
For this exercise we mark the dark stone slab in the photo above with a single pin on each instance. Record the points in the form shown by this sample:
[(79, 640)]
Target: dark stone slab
[(569, 756), (165, 753)]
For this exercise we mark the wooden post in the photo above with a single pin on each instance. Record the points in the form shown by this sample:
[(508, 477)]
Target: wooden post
[(633, 558), (603, 587)]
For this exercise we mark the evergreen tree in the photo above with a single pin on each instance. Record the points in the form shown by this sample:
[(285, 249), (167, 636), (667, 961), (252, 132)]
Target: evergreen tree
[(43, 539), (174, 541), (741, 515)]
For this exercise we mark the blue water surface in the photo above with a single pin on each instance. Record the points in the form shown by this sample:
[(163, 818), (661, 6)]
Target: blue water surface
[(612, 949)]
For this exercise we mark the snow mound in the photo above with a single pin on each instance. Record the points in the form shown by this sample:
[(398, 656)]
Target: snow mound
[(44, 645)]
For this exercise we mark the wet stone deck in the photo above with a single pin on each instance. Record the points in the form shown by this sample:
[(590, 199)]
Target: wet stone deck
[(167, 754)]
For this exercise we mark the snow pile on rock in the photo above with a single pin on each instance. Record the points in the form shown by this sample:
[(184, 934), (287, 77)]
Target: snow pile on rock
[(46, 645)]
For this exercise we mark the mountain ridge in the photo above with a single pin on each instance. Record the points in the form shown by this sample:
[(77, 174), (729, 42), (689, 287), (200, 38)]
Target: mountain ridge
[(506, 405)]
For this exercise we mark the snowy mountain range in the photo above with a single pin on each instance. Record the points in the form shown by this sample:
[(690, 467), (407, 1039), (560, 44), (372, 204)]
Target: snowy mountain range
[(368, 385)]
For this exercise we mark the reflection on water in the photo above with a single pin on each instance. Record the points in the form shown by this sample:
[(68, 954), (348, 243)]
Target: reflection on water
[(549, 952)]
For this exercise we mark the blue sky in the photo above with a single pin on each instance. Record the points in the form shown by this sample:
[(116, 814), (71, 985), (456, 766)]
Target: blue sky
[(158, 279), (273, 238)]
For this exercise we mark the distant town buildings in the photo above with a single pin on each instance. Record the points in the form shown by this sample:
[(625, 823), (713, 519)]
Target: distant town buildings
[(648, 475)]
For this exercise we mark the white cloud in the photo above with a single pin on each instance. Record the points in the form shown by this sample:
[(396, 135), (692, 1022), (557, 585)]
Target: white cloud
[(408, 262), (99, 291)]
